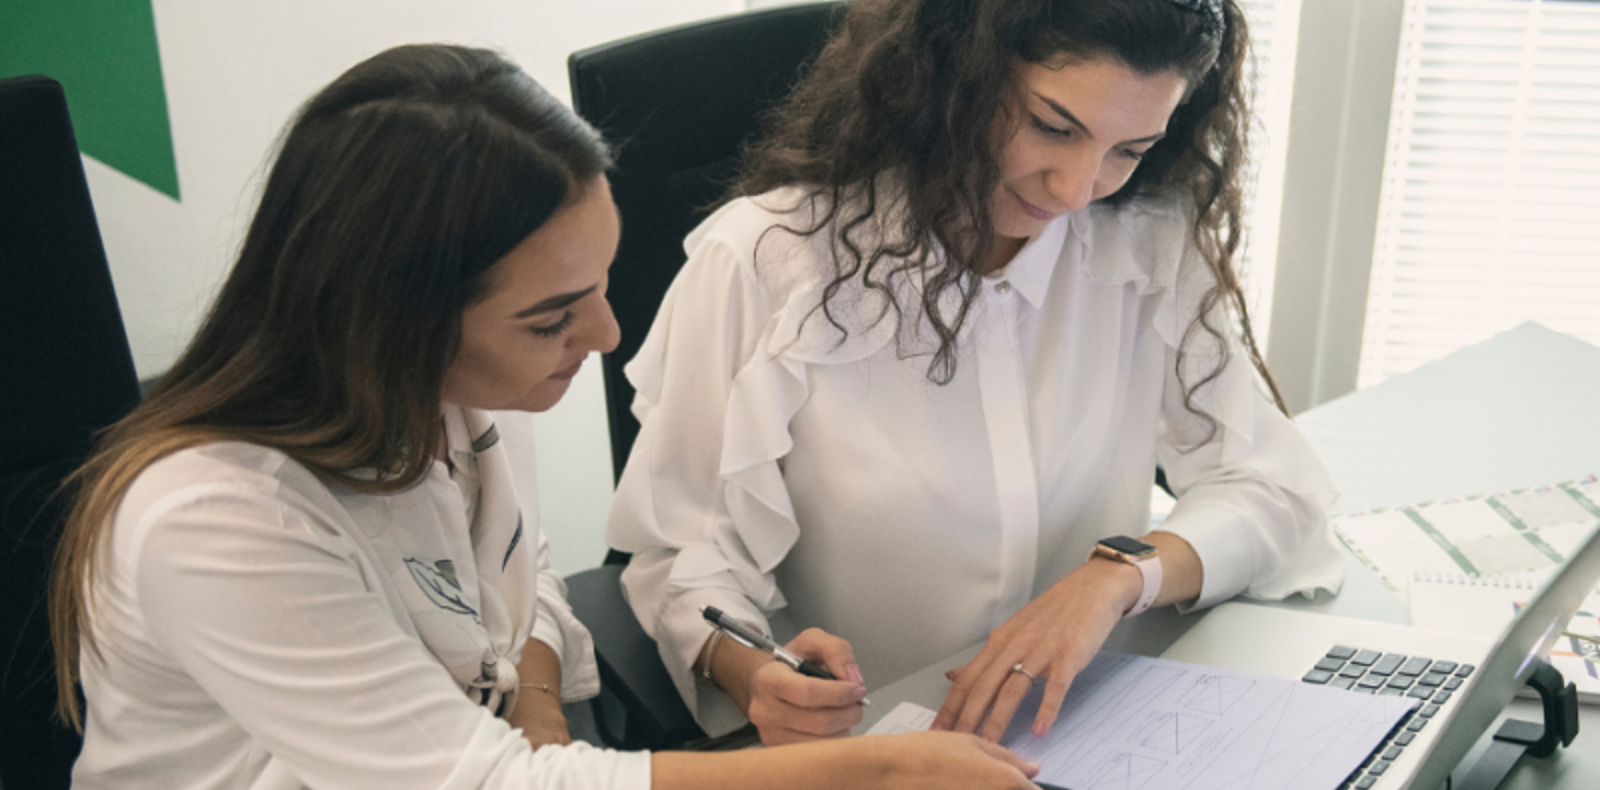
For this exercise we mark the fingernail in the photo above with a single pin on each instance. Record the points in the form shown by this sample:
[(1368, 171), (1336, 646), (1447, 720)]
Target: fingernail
[(855, 674), (949, 674), (858, 693), (1039, 729)]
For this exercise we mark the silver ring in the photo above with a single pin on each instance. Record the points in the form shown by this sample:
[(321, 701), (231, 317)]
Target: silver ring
[(1018, 668)]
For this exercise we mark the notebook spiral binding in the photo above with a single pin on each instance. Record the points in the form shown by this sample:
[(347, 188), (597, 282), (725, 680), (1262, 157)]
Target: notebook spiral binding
[(1520, 581)]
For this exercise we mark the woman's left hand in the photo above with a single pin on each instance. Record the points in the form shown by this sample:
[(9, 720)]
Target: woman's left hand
[(1054, 637)]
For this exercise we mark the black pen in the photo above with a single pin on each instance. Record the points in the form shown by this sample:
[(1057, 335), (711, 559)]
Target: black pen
[(751, 638)]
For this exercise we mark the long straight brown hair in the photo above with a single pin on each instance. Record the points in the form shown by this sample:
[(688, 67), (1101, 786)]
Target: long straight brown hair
[(394, 190)]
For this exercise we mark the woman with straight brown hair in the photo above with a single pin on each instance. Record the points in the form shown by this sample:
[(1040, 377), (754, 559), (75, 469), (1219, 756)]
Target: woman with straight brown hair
[(301, 563)]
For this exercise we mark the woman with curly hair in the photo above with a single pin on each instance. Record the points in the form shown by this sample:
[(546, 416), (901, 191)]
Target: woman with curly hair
[(301, 562), (974, 286)]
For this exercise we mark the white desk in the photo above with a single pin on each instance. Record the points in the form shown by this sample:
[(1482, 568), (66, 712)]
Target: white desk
[(1520, 409)]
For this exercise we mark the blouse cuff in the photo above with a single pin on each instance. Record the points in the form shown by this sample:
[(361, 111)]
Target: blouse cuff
[(712, 708), (1226, 560), (557, 627)]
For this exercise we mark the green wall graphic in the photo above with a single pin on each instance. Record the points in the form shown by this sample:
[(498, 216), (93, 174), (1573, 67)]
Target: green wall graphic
[(104, 53)]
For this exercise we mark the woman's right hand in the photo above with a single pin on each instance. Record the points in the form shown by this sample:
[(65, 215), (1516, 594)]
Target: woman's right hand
[(913, 761), (786, 706), (932, 760)]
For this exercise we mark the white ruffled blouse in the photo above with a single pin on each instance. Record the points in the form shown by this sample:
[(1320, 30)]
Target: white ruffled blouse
[(780, 465)]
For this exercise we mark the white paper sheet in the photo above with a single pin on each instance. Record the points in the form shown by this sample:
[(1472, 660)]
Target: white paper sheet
[(906, 717), (1134, 722)]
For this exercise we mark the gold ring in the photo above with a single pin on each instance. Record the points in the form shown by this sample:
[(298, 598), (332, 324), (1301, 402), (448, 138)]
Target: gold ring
[(1018, 668)]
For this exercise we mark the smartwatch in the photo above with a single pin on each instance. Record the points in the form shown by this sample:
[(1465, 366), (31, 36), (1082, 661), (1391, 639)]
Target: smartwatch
[(1140, 555)]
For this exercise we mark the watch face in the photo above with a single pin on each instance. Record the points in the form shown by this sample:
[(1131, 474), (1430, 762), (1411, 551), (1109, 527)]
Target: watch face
[(1127, 545)]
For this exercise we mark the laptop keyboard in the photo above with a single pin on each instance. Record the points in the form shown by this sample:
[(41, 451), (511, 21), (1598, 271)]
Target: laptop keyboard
[(1429, 684)]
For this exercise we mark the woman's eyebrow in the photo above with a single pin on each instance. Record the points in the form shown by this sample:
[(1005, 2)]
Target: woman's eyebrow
[(554, 303), (1073, 119)]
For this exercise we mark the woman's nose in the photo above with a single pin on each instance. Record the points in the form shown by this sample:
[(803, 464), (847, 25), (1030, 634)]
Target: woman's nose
[(601, 332), (1071, 181)]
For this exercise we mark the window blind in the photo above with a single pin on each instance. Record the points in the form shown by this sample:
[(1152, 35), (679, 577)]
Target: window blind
[(1274, 25), (1490, 207)]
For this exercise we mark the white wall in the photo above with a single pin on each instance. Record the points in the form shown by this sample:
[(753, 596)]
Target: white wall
[(235, 71), (1333, 177)]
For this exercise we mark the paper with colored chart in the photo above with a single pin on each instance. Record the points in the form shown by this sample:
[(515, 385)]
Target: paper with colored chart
[(1491, 535), (1483, 606)]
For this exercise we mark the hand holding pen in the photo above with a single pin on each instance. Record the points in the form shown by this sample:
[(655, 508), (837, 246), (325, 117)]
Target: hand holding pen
[(787, 691)]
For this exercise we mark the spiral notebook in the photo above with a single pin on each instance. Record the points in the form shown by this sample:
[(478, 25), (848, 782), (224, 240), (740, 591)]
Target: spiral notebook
[(1481, 606)]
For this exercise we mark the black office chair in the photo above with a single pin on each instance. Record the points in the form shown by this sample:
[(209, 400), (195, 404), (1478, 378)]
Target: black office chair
[(67, 373), (680, 104)]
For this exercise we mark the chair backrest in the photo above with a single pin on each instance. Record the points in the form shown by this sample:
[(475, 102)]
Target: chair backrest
[(65, 373), (680, 104)]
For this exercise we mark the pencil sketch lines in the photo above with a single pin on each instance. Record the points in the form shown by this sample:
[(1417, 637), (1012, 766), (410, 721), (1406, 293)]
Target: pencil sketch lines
[(1171, 732), (1147, 724), (1123, 771), (1213, 695), (1283, 743), (1111, 710)]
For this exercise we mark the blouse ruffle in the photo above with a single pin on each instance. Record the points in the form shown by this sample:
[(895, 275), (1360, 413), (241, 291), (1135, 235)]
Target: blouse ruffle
[(1144, 245), (770, 389), (1153, 253)]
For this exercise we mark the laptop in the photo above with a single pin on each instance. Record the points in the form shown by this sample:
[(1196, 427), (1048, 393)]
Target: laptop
[(1460, 684)]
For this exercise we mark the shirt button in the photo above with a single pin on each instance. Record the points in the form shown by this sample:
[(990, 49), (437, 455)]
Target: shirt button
[(1004, 286)]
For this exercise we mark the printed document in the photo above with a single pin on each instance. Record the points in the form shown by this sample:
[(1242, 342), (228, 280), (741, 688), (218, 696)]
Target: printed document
[(1148, 723)]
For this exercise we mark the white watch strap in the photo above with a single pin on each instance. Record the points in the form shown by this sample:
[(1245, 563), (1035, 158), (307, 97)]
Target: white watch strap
[(1150, 567)]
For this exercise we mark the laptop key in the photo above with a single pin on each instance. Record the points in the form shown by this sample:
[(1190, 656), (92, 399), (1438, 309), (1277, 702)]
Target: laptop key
[(1442, 697), (1341, 652), (1432, 679), (1318, 676), (1392, 692), (1417, 724), (1370, 682), (1405, 738), (1366, 782), (1353, 671), (1420, 692), (1366, 658), (1388, 664), (1465, 670), (1342, 682), (1415, 666), (1429, 711), (1330, 665), (1400, 682), (1452, 683), (1379, 768), (1445, 667)]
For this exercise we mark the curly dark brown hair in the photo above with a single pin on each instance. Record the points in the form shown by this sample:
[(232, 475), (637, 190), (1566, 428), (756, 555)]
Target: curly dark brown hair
[(919, 90)]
